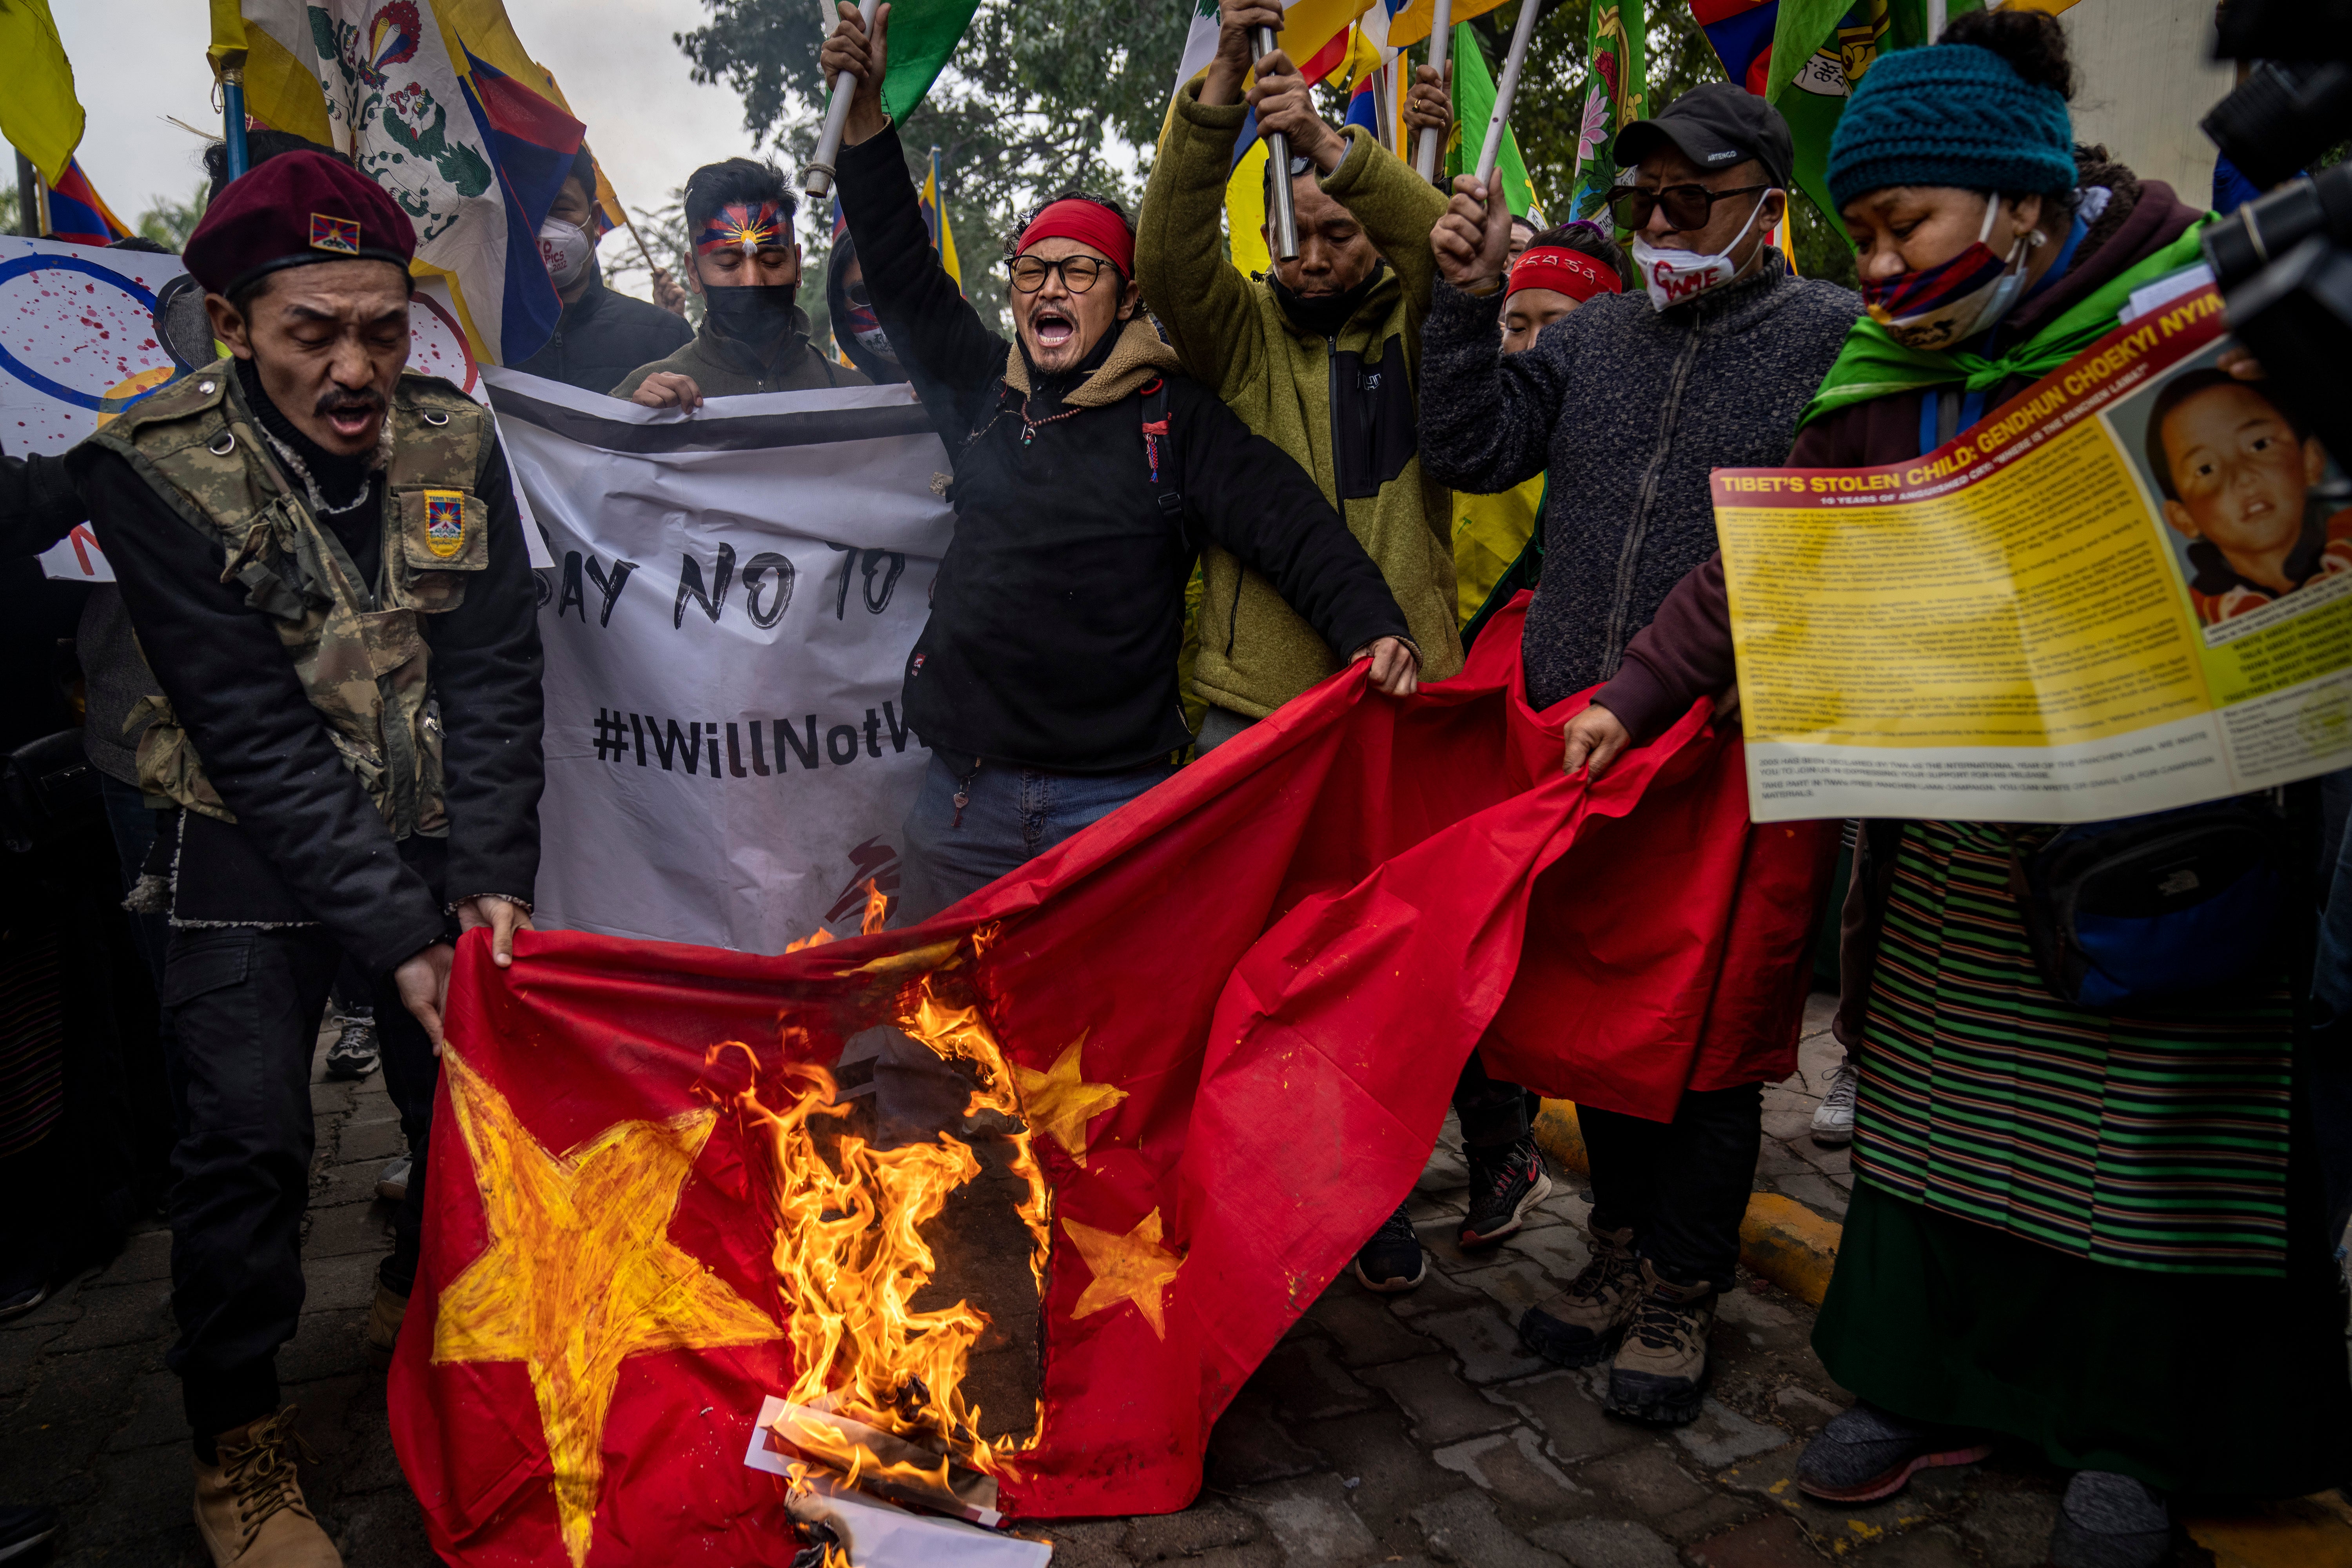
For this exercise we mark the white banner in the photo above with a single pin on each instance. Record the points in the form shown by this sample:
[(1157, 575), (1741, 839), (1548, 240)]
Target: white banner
[(727, 625)]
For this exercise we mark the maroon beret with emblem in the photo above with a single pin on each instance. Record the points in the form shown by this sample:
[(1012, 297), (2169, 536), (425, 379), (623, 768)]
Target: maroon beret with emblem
[(298, 207)]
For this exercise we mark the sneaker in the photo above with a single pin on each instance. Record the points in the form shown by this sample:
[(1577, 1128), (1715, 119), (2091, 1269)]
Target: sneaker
[(249, 1507), (24, 1529), (1582, 1324), (353, 1054), (1867, 1454), (2107, 1520), (392, 1186), (1660, 1373), (1393, 1261), (1834, 1118), (383, 1331), (1502, 1192)]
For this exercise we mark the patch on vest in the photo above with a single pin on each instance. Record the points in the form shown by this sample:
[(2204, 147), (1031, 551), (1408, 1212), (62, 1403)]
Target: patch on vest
[(445, 522)]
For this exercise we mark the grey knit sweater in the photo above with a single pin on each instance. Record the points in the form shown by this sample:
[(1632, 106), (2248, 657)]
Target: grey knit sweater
[(1629, 408)]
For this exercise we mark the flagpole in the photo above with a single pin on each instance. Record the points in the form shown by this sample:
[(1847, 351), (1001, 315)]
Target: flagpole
[(1500, 120), (28, 199), (1935, 9), (1277, 161), (819, 182), (1440, 32)]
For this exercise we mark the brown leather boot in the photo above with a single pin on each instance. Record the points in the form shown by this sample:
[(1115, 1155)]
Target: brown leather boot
[(1582, 1324), (383, 1332), (249, 1507), (1660, 1373)]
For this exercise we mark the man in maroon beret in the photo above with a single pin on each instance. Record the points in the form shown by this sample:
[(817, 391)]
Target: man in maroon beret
[(323, 563)]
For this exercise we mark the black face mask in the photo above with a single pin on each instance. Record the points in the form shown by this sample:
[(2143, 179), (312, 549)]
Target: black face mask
[(1324, 314), (756, 313)]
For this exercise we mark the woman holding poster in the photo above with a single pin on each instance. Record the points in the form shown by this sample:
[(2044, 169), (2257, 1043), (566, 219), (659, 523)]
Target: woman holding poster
[(2083, 1224)]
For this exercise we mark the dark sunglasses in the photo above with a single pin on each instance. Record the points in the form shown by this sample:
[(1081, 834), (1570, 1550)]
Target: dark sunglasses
[(857, 295), (1078, 272), (1687, 206)]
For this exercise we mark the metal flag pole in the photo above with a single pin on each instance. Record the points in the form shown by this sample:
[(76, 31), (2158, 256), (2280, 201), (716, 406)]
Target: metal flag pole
[(819, 182), (1284, 221), (1935, 9), (1499, 121), (1440, 32)]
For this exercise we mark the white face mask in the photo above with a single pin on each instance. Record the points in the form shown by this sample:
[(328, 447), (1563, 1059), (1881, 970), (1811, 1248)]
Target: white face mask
[(1678, 277), (565, 248)]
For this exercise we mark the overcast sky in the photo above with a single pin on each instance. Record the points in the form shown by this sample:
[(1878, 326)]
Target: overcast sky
[(136, 61)]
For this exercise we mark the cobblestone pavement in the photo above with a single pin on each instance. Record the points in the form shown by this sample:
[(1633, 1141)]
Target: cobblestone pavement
[(1407, 1431)]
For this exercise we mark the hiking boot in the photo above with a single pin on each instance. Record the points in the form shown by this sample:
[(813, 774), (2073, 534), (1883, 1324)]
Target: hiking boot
[(392, 1186), (1660, 1371), (2107, 1520), (383, 1331), (249, 1507), (1582, 1324), (1393, 1261), (1503, 1188), (1834, 1118), (1866, 1454), (353, 1054)]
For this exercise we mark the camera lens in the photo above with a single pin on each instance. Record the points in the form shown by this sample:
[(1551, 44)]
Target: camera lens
[(2282, 117)]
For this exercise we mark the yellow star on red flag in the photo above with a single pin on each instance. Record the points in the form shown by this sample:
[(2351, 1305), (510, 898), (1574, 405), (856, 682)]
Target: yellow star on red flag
[(579, 1273), (1060, 1101), (1132, 1267)]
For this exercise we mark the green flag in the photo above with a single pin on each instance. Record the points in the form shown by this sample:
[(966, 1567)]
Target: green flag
[(1820, 48), (1474, 105), (923, 34), (1617, 93)]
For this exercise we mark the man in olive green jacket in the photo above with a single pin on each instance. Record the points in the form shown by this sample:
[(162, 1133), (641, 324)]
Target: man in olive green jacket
[(1319, 358)]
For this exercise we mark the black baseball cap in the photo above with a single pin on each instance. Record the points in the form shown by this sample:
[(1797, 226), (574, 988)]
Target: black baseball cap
[(1715, 124)]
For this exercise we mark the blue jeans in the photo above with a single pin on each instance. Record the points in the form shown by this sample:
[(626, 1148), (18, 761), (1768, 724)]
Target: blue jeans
[(1012, 815)]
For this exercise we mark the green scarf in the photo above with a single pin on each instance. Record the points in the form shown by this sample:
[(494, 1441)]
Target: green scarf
[(1872, 364)]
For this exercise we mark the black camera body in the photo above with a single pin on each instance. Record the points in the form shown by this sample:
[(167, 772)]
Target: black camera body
[(2285, 262)]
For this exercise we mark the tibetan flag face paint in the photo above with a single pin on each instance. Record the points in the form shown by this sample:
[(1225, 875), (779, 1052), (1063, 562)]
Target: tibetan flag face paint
[(741, 227)]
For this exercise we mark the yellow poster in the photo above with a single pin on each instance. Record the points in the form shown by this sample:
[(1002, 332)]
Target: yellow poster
[(2128, 589)]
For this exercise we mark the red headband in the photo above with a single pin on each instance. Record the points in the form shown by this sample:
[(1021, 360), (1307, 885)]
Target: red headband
[(1089, 223), (1563, 271)]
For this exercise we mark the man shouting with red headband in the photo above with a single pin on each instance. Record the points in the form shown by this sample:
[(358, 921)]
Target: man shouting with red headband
[(1089, 475)]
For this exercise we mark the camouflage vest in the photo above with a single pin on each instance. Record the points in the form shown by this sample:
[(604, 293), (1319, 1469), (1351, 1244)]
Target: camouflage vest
[(357, 647)]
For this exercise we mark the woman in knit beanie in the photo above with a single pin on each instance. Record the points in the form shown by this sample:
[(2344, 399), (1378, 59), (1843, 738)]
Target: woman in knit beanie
[(2066, 1231)]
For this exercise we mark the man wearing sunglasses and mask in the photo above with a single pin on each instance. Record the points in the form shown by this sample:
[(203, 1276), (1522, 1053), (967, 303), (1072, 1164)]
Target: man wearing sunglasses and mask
[(1088, 475), (747, 268), (1629, 403)]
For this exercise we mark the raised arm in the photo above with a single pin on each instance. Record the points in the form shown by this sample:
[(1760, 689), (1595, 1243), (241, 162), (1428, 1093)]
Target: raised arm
[(930, 323), (1201, 299), (1486, 419)]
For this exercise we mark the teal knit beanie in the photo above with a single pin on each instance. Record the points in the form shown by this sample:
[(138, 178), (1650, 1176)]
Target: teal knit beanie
[(1952, 114)]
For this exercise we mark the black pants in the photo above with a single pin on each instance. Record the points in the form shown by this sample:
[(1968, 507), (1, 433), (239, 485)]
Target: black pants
[(1683, 1185), (244, 1006), (1493, 1114)]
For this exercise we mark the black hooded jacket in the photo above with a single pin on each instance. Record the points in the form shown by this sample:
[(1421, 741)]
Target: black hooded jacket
[(601, 336)]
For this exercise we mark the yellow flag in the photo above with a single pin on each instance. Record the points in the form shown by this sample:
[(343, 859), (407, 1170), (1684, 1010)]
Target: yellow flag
[(1246, 212), (280, 91), (38, 112), (935, 214), (1410, 26)]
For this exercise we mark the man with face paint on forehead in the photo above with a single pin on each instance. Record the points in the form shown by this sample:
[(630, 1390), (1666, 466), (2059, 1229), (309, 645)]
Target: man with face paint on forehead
[(747, 268)]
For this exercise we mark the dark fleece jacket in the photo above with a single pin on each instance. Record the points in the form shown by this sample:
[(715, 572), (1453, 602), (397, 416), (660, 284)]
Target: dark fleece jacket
[(1629, 408), (1685, 652)]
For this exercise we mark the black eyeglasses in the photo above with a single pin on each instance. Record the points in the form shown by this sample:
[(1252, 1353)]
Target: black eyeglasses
[(1078, 272), (1687, 206)]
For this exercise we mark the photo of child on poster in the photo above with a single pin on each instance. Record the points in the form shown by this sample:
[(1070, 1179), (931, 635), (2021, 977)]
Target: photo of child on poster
[(2258, 509)]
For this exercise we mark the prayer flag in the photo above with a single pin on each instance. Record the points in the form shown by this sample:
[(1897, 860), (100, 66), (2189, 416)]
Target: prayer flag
[(38, 112), (1474, 105), (636, 1244), (1616, 93), (78, 214)]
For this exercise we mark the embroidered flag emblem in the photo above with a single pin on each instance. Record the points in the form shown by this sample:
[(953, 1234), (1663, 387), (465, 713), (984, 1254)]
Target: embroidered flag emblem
[(341, 234), (445, 522)]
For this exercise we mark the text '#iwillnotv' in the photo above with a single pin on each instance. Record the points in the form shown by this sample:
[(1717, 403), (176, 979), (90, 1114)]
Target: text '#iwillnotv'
[(747, 748)]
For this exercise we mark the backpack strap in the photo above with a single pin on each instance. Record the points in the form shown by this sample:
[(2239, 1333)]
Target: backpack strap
[(1159, 446)]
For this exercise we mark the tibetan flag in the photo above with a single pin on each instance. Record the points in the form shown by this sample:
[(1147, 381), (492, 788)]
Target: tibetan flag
[(935, 218), (1315, 35), (78, 214), (1411, 23), (1364, 108), (1616, 93), (1153, 1090), (1474, 105), (38, 112)]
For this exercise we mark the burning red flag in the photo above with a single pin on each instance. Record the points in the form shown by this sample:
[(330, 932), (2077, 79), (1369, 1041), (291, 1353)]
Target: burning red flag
[(1198, 1053)]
